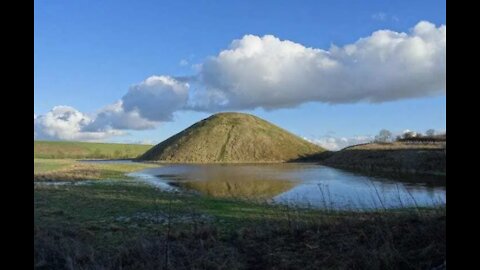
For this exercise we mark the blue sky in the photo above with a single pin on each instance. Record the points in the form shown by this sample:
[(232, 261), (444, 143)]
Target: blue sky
[(87, 54)]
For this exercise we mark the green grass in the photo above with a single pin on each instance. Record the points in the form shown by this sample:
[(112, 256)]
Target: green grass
[(134, 226), (85, 150), (137, 210), (48, 165), (101, 203), (125, 224), (72, 170)]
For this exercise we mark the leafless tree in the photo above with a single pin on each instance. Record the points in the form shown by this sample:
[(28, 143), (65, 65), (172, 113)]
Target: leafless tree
[(384, 136)]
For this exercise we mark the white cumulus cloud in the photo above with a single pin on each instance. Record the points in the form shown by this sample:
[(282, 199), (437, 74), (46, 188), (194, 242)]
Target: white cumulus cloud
[(156, 98), (114, 117), (144, 106), (271, 73), (336, 143), (67, 123)]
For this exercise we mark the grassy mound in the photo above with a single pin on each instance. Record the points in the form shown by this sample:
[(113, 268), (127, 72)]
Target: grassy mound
[(230, 138)]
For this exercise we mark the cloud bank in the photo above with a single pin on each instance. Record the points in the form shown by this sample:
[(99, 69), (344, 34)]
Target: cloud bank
[(157, 97), (334, 143), (67, 123), (270, 73), (266, 72)]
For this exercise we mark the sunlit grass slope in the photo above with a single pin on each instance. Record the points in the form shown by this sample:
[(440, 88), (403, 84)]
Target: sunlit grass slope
[(232, 138), (78, 150)]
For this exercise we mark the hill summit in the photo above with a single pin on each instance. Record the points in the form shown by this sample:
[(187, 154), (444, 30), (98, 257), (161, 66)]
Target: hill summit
[(231, 138)]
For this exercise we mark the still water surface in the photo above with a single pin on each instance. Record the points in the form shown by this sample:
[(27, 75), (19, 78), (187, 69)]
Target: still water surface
[(298, 184)]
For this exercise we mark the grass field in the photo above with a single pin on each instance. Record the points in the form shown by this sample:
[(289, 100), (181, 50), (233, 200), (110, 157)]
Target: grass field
[(72, 170), (50, 165), (132, 226), (125, 224), (84, 150)]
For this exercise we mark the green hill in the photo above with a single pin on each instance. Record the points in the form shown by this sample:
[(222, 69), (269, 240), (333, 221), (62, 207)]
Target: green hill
[(62, 149), (231, 138), (397, 157)]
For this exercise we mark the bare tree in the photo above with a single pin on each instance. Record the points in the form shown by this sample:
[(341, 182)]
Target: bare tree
[(430, 132), (384, 136), (409, 135)]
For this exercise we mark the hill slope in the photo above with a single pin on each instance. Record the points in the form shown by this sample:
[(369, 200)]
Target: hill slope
[(398, 157), (57, 149), (230, 138)]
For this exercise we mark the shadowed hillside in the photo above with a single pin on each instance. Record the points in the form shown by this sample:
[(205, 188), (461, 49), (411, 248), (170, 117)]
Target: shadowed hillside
[(397, 157), (230, 138)]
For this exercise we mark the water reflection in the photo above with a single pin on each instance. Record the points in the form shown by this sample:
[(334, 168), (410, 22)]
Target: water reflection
[(299, 184)]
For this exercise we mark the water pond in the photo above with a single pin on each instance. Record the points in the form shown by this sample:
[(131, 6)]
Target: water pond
[(298, 184)]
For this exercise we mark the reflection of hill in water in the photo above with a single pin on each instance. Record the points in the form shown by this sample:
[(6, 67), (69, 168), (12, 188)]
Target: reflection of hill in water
[(245, 181), (295, 183), (244, 188)]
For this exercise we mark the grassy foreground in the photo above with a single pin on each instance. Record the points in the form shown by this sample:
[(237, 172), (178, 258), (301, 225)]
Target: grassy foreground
[(79, 150), (129, 225)]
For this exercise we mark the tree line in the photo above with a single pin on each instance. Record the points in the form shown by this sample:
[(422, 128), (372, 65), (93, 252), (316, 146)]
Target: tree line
[(386, 136)]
